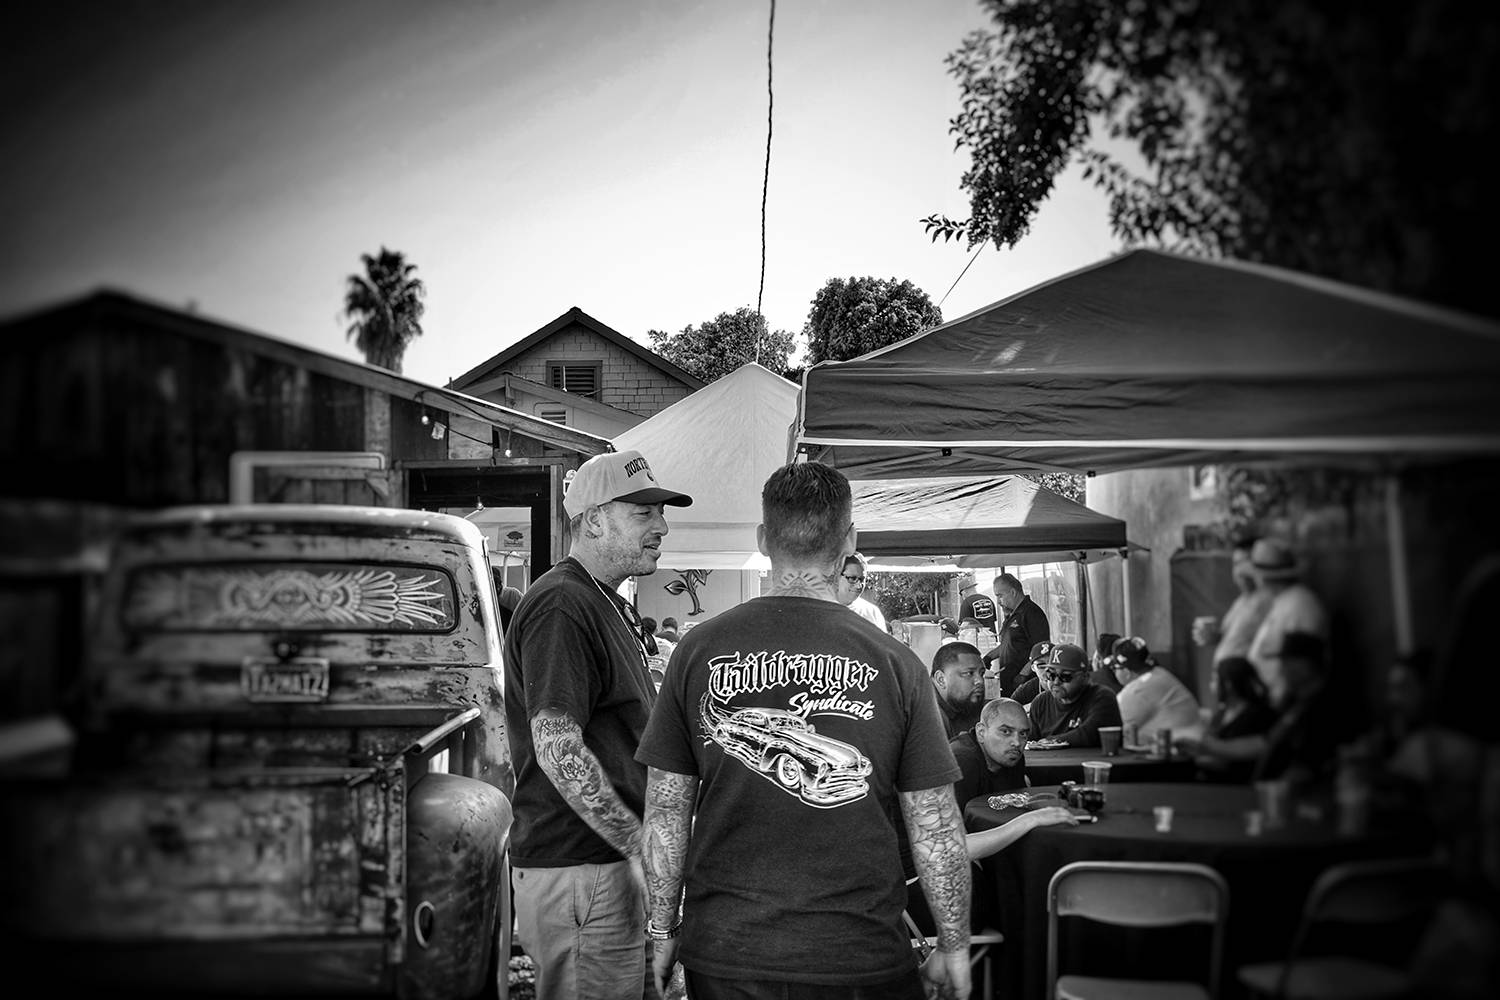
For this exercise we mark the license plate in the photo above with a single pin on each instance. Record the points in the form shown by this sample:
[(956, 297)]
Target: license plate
[(298, 680)]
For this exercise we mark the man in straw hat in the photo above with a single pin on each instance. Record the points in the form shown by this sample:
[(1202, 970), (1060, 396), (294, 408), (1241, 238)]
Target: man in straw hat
[(577, 696), (1294, 608)]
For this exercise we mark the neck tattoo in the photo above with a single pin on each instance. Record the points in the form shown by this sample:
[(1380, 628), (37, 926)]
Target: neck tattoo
[(806, 583)]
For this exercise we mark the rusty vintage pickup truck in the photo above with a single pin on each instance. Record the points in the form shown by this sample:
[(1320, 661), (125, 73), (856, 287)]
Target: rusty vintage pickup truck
[(290, 774)]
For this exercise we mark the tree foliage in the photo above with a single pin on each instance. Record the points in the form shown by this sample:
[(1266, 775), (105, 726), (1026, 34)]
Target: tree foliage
[(717, 347), (384, 306), (901, 595), (1065, 484), (1341, 138), (853, 316)]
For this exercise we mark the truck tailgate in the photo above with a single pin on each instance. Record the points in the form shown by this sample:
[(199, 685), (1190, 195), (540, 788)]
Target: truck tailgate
[(293, 853)]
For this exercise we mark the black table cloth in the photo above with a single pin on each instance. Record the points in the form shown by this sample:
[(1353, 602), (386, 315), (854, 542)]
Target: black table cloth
[(1268, 875)]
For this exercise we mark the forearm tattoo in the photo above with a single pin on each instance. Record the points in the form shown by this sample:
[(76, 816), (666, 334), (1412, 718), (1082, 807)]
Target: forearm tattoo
[(664, 843), (942, 859), (579, 778)]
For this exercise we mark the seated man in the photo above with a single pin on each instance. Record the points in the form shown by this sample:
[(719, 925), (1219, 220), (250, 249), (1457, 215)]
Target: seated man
[(1151, 697), (1103, 662), (993, 760), (1071, 709), (1302, 743), (958, 682), (1029, 684)]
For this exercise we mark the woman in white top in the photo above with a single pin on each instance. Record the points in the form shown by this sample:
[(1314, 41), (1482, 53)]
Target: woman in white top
[(1150, 698)]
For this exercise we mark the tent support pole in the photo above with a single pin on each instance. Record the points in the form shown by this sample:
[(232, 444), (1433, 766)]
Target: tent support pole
[(1395, 530), (1125, 588), (1083, 602)]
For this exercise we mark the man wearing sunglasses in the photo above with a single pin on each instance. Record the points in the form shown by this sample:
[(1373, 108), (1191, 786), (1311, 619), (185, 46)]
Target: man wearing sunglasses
[(852, 589), (1071, 707), (578, 693)]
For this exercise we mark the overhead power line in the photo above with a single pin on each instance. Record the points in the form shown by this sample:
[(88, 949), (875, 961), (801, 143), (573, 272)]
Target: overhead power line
[(961, 275), (765, 183)]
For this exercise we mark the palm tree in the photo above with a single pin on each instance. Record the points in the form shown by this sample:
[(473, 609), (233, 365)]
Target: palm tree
[(385, 306)]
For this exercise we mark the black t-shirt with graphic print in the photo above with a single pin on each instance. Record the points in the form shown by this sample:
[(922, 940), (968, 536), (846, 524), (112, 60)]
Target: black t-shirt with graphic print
[(802, 722), (981, 608)]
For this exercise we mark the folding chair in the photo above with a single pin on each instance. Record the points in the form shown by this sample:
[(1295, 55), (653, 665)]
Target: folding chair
[(980, 945), (1354, 893), (1136, 894)]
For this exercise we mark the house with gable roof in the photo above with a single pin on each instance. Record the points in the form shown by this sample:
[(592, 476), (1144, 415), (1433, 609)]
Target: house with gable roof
[(581, 373)]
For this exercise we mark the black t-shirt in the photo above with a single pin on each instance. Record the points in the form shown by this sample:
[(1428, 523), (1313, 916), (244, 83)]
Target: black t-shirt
[(981, 608), (568, 648), (1019, 631), (1076, 724), (1306, 736), (977, 778), (802, 722)]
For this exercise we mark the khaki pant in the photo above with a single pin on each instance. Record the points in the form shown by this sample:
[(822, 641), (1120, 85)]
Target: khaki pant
[(584, 928)]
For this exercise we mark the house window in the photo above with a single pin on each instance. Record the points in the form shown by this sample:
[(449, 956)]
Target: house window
[(581, 378), (556, 414)]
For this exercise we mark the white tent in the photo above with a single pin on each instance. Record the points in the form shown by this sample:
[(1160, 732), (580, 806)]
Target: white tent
[(721, 443), (718, 445)]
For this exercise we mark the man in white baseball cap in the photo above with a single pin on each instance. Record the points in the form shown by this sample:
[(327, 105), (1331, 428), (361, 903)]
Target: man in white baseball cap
[(577, 696)]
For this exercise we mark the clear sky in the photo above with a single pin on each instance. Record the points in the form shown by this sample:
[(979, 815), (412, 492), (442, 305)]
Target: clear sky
[(527, 157)]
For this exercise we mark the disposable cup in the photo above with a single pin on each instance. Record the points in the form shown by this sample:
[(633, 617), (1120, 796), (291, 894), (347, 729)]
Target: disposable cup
[(1163, 816), (1203, 628), (1274, 799), (1254, 822), (1110, 738), (1096, 773)]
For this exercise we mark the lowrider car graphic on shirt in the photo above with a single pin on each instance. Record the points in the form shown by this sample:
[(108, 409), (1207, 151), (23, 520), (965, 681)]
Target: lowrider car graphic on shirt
[(786, 750)]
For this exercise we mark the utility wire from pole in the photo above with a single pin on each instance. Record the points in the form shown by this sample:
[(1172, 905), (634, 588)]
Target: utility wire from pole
[(960, 276), (765, 183)]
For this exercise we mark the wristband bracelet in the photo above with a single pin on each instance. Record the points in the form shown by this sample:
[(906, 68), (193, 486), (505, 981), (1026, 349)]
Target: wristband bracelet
[(656, 934)]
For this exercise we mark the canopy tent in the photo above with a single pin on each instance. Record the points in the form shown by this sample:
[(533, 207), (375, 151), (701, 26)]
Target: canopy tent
[(721, 443), (717, 445), (1153, 359), (958, 563), (999, 514)]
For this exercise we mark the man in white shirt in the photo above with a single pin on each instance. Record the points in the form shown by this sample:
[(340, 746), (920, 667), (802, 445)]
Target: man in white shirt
[(851, 589), (1294, 608), (1151, 697)]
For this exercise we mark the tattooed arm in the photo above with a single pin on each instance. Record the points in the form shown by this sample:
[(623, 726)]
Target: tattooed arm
[(668, 826), (942, 859), (579, 778)]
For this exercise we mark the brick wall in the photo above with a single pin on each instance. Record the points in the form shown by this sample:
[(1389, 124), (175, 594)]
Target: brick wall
[(627, 382)]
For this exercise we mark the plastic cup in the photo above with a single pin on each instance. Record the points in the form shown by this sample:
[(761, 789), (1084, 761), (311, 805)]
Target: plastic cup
[(1163, 816), (1274, 799), (1110, 738), (1202, 630), (1254, 822), (1095, 773)]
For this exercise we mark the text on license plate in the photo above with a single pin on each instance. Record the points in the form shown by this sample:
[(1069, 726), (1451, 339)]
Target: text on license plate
[(301, 679)]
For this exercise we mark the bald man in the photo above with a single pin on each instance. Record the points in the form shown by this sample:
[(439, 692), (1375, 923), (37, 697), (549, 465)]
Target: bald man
[(992, 757)]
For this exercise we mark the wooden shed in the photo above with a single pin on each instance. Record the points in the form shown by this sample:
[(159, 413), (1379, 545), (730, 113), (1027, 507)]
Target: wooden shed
[(110, 403)]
